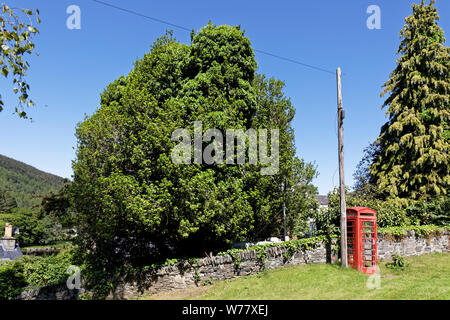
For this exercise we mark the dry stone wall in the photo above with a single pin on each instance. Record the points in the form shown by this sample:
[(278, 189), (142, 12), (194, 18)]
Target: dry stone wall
[(189, 274), (185, 274), (412, 245)]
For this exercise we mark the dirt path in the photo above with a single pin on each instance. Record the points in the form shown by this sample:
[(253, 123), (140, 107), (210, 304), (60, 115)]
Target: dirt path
[(184, 294)]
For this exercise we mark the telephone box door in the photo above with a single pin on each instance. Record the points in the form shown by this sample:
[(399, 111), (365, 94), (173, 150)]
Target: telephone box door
[(352, 256), (368, 246)]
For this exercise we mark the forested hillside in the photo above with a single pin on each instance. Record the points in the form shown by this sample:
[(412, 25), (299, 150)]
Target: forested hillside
[(21, 181)]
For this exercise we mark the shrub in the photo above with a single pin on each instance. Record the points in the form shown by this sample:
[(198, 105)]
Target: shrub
[(398, 262), (44, 271), (420, 231), (33, 272), (327, 222), (390, 212), (12, 280), (436, 211)]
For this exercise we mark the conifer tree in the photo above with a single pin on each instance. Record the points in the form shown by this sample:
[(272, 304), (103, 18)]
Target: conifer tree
[(413, 160), (7, 202)]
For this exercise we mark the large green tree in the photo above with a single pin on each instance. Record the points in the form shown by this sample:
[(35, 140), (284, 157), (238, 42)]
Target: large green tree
[(16, 40), (7, 202), (129, 193), (413, 158)]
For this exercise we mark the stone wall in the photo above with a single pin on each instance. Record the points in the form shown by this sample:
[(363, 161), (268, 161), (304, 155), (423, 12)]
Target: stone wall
[(189, 274), (53, 292), (185, 275), (40, 251), (412, 245)]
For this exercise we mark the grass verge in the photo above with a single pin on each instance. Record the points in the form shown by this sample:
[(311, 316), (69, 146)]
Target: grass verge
[(426, 278)]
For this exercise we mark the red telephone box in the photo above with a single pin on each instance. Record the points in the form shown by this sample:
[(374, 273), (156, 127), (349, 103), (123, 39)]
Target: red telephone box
[(362, 239)]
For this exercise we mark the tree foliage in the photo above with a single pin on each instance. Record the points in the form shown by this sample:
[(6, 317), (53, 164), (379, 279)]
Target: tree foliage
[(25, 183), (56, 206), (16, 40), (301, 198), (413, 159), (132, 201), (426, 212), (7, 202), (391, 212), (365, 183), (33, 230)]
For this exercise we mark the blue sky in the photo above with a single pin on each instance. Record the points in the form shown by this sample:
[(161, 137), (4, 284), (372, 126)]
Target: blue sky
[(74, 66)]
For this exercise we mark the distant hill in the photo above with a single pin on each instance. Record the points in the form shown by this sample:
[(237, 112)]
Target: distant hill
[(22, 181)]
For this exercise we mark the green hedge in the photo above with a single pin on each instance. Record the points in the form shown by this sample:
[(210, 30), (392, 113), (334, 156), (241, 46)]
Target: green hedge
[(12, 280), (389, 212), (396, 212), (435, 211), (421, 231), (33, 272), (45, 271)]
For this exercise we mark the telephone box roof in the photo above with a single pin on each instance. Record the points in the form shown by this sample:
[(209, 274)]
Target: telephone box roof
[(361, 209)]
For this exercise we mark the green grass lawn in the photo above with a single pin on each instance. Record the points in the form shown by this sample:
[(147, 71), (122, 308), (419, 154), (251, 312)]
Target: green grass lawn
[(427, 277)]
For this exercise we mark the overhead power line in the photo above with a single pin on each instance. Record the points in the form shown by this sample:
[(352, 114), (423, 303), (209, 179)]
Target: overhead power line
[(141, 15), (294, 61), (190, 29)]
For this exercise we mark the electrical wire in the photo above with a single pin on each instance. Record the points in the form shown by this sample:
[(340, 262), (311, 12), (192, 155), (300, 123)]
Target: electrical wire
[(141, 15), (190, 29), (294, 61)]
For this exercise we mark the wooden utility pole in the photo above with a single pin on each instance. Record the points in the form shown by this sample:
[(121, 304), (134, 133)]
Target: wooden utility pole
[(341, 170), (284, 185)]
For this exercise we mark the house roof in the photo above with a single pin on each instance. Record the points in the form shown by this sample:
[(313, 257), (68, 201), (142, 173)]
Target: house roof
[(323, 200), (10, 255)]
